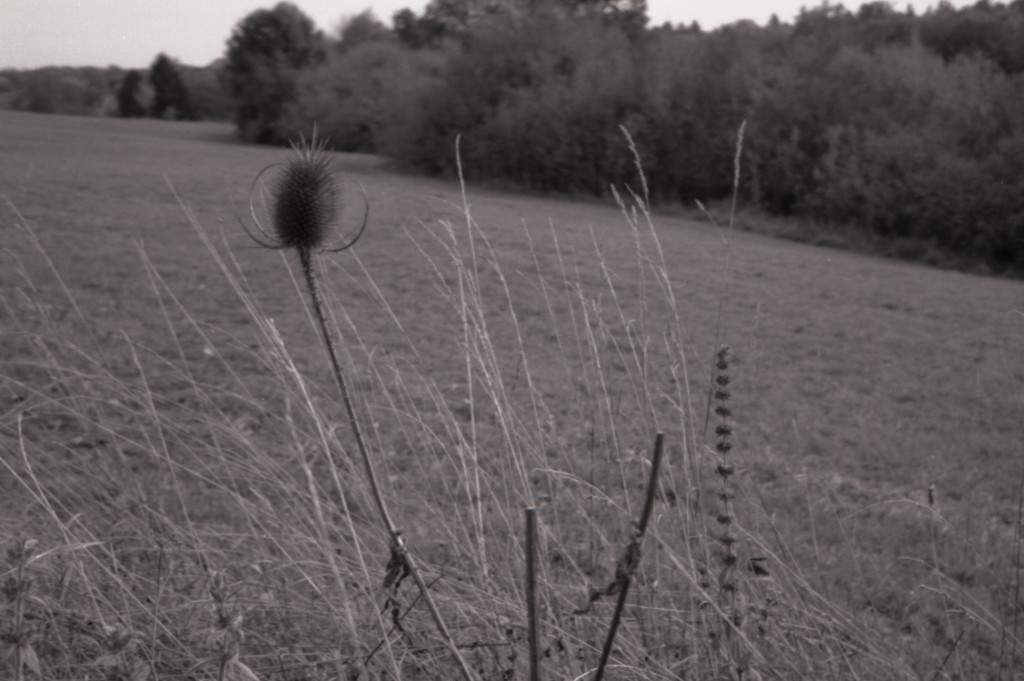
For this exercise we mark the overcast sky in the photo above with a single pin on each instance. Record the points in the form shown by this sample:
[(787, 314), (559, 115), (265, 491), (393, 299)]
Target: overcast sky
[(130, 33)]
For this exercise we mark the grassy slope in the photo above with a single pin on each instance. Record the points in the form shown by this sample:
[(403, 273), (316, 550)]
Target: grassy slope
[(858, 382)]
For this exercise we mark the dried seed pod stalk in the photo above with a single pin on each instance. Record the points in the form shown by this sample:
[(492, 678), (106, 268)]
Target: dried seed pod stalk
[(728, 576), (724, 470)]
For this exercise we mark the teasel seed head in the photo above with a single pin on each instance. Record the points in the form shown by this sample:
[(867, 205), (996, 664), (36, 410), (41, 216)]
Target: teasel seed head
[(305, 202)]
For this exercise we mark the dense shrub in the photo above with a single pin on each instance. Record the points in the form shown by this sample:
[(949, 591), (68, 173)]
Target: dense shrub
[(83, 91), (532, 104), (360, 98), (193, 93), (207, 91)]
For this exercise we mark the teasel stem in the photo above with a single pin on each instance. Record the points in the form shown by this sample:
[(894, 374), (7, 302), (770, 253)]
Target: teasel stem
[(398, 547)]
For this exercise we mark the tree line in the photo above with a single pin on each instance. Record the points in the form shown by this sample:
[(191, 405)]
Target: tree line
[(906, 127), (167, 89)]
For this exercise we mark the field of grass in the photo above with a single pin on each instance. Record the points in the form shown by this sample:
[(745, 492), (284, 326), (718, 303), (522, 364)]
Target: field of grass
[(172, 442)]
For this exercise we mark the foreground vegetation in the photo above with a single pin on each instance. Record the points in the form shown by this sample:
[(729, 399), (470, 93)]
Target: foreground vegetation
[(181, 493)]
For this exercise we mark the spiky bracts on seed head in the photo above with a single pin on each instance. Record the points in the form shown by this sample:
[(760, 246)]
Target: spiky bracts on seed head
[(305, 203), (305, 200)]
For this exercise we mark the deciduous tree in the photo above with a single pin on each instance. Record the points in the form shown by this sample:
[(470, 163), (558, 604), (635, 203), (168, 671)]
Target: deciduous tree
[(128, 105), (265, 54), (170, 96)]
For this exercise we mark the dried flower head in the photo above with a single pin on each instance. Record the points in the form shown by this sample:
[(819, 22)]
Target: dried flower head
[(305, 202)]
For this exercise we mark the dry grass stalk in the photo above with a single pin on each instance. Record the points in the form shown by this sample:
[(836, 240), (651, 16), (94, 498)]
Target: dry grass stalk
[(531, 592)]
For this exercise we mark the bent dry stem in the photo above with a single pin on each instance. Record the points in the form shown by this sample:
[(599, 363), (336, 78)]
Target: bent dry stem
[(630, 559)]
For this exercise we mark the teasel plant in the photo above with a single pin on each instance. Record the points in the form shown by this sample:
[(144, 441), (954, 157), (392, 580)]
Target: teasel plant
[(304, 207)]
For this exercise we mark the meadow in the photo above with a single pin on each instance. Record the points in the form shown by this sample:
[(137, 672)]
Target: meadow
[(175, 455)]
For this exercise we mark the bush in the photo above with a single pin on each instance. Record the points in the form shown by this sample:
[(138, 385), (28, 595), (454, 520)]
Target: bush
[(533, 103), (361, 98), (65, 90)]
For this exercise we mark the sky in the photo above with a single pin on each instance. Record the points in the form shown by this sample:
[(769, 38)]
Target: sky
[(130, 33)]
